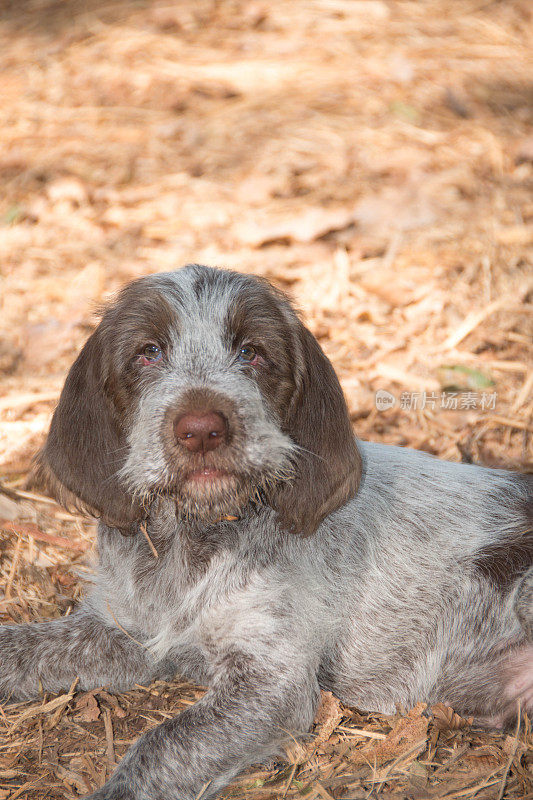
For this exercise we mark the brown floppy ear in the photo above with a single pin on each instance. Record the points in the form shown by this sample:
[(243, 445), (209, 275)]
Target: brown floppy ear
[(328, 466), (86, 444)]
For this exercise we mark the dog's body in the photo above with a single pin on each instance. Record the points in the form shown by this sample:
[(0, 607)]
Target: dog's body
[(412, 582)]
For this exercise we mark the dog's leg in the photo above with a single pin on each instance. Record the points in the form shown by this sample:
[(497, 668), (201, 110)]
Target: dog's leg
[(249, 711), (53, 654), (518, 671)]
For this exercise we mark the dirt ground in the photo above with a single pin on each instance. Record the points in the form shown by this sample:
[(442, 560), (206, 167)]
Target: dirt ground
[(375, 160)]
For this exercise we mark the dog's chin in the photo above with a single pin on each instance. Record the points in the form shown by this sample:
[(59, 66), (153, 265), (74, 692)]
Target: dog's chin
[(211, 495)]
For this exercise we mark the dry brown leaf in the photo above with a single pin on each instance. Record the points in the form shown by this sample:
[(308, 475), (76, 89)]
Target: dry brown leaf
[(87, 708), (510, 744), (397, 288), (304, 226), (113, 702), (409, 730), (445, 718), (72, 779), (9, 509), (327, 718)]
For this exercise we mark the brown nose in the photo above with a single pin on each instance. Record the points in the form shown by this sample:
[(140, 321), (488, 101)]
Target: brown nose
[(200, 433)]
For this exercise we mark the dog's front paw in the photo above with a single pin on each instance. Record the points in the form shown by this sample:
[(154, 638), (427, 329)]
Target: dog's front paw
[(14, 682)]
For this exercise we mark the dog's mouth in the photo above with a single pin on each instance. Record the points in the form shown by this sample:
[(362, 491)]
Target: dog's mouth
[(207, 475), (208, 485), (210, 493), (202, 477)]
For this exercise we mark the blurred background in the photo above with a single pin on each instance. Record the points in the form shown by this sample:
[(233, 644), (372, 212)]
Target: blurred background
[(373, 158)]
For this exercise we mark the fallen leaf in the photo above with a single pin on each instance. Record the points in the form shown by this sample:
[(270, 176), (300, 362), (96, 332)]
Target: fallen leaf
[(87, 708), (327, 718), (113, 702), (72, 779), (409, 730), (9, 509), (445, 718), (305, 226)]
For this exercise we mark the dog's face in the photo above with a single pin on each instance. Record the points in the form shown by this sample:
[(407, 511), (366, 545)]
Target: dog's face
[(204, 385)]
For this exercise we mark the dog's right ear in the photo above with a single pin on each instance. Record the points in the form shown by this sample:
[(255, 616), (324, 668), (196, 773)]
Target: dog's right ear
[(328, 464), (86, 445)]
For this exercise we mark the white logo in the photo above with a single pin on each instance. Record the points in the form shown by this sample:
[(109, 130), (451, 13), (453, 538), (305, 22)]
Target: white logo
[(384, 400)]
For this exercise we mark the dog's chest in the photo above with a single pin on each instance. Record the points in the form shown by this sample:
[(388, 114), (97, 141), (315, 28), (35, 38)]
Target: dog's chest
[(169, 600)]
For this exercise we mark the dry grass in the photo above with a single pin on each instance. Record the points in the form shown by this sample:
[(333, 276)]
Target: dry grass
[(375, 159)]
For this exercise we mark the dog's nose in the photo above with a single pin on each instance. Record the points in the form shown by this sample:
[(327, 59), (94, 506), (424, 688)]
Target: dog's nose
[(200, 433)]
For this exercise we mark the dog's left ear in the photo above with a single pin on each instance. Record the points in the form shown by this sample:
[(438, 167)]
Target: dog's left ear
[(86, 445), (328, 465)]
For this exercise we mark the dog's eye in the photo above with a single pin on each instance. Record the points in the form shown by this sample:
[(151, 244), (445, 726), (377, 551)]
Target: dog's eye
[(150, 354), (247, 354)]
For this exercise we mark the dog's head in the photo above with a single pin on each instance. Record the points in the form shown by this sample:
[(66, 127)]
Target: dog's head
[(204, 385)]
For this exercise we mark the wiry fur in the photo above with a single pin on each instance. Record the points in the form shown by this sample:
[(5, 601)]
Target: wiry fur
[(411, 583)]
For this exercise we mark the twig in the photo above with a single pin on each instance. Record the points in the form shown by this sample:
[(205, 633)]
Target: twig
[(512, 754), (291, 776), (361, 732), (13, 569), (412, 751), (322, 792), (38, 498), (110, 745), (124, 631), (142, 526), (31, 530), (523, 394), (511, 423), (455, 757), (474, 319), (26, 399), (470, 791), (202, 790), (52, 705), (23, 788)]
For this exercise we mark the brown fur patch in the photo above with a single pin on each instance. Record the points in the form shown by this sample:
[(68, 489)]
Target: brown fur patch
[(86, 445)]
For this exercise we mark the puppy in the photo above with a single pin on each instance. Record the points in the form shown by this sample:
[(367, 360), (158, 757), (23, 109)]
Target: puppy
[(289, 557)]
